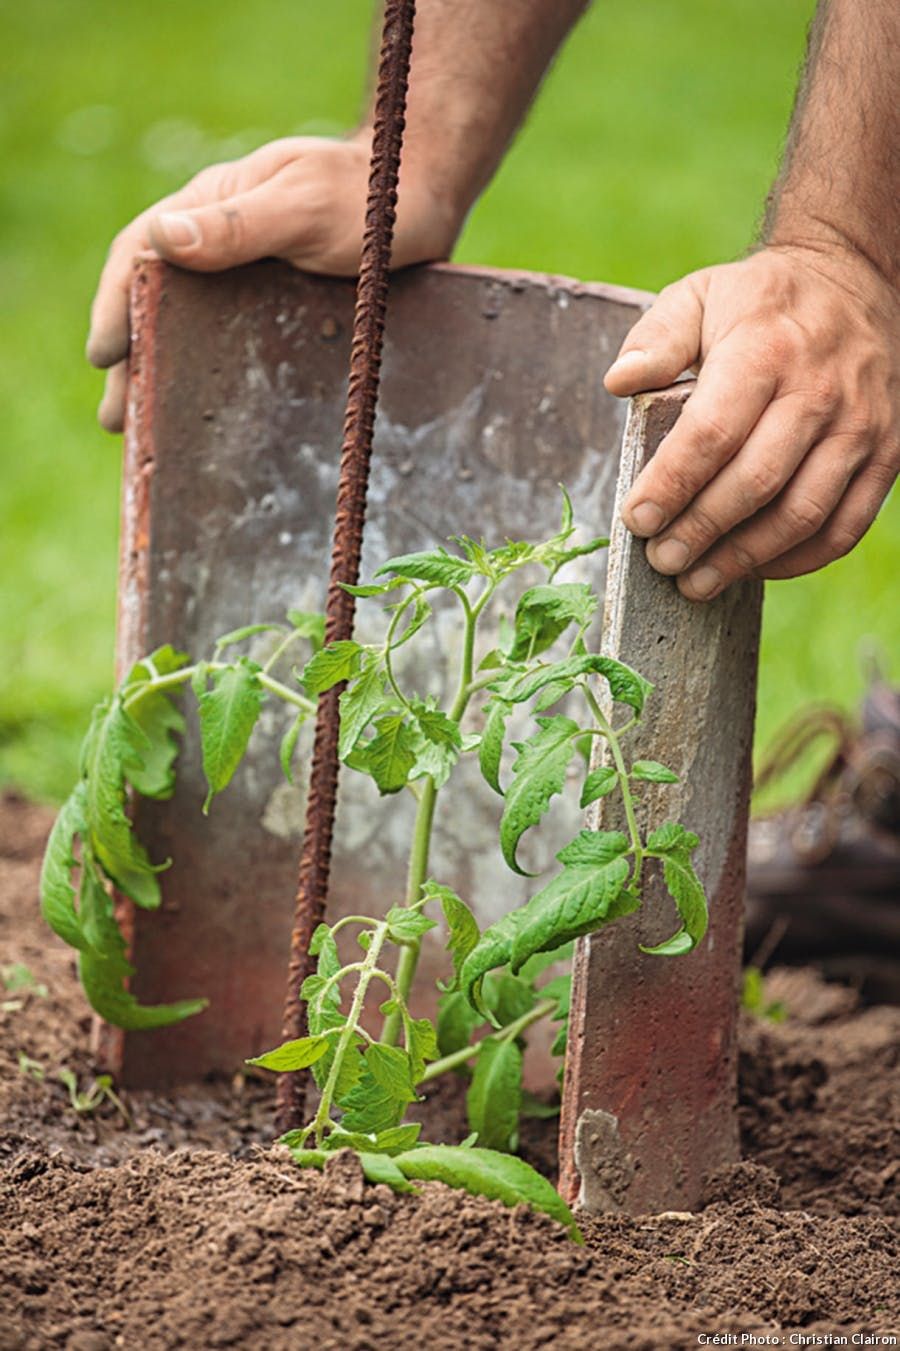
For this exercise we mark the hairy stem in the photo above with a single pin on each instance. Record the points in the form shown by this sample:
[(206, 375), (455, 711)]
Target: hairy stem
[(418, 862), (418, 872), (187, 673), (509, 1033), (367, 969), (624, 782)]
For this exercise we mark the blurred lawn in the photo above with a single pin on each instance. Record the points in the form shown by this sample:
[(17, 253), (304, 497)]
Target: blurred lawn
[(649, 154)]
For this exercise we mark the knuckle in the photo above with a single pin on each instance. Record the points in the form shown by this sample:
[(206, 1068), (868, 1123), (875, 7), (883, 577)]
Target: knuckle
[(761, 479), (698, 527), (803, 516), (743, 557), (714, 436), (676, 481), (840, 537), (233, 226)]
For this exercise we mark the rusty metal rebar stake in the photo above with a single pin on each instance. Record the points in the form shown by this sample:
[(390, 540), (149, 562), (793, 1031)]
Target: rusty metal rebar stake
[(356, 450)]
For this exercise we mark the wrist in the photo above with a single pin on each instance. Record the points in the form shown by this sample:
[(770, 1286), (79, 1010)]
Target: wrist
[(836, 246), (431, 206)]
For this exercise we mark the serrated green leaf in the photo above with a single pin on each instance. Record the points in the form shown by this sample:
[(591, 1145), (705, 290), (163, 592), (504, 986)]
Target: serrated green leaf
[(228, 714), (373, 588), (599, 783), (485, 1172), (391, 1069), (436, 741), (491, 748), (626, 686), (421, 613), (330, 666), (462, 927), (369, 1106), (390, 756), (155, 723), (507, 996), (57, 891), (108, 997), (674, 845), (308, 624), (437, 567), (289, 745), (491, 661), (97, 911), (108, 755), (435, 725), (672, 837), (495, 1094), (298, 1054), (456, 1021), (407, 926), (544, 612), (564, 556), (476, 551), (398, 1138), (588, 893), (551, 694), (324, 1013), (538, 774), (421, 1046), (358, 705), (492, 950), (653, 772)]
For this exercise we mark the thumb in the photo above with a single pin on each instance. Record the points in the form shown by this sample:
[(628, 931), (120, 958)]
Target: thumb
[(224, 234), (662, 344)]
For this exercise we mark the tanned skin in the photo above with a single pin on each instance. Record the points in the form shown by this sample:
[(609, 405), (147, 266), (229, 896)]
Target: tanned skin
[(791, 441)]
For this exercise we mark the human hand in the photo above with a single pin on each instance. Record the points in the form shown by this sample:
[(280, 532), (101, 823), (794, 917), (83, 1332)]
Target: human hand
[(791, 440), (301, 199)]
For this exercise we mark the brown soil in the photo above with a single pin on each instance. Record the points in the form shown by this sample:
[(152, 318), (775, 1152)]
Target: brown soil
[(183, 1227)]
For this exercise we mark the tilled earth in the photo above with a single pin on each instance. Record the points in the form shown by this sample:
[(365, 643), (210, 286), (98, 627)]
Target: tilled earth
[(183, 1227)]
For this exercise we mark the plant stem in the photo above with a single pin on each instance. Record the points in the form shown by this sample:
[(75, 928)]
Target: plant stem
[(466, 1053), (624, 782), (187, 673), (345, 1040), (418, 871), (418, 860)]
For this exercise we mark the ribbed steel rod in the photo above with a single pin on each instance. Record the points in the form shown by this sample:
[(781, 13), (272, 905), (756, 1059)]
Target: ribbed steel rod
[(356, 451)]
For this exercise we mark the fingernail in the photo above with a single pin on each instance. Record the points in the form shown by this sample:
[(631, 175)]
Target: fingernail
[(644, 519), (704, 581), (669, 556), (628, 361), (178, 229)]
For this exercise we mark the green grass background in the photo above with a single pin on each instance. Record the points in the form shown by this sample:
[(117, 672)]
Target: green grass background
[(648, 154)]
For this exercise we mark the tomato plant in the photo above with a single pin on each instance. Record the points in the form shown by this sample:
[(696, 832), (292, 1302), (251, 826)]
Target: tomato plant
[(405, 741)]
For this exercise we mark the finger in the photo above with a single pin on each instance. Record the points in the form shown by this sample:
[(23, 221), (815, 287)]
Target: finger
[(844, 528), (733, 390), (774, 449), (797, 514), (107, 341), (264, 222), (664, 342), (111, 413)]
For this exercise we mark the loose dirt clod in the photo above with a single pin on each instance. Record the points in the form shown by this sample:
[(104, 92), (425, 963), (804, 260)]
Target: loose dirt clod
[(180, 1230)]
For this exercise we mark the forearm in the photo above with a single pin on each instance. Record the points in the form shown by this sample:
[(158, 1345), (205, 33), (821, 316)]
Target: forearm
[(840, 184), (476, 66)]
